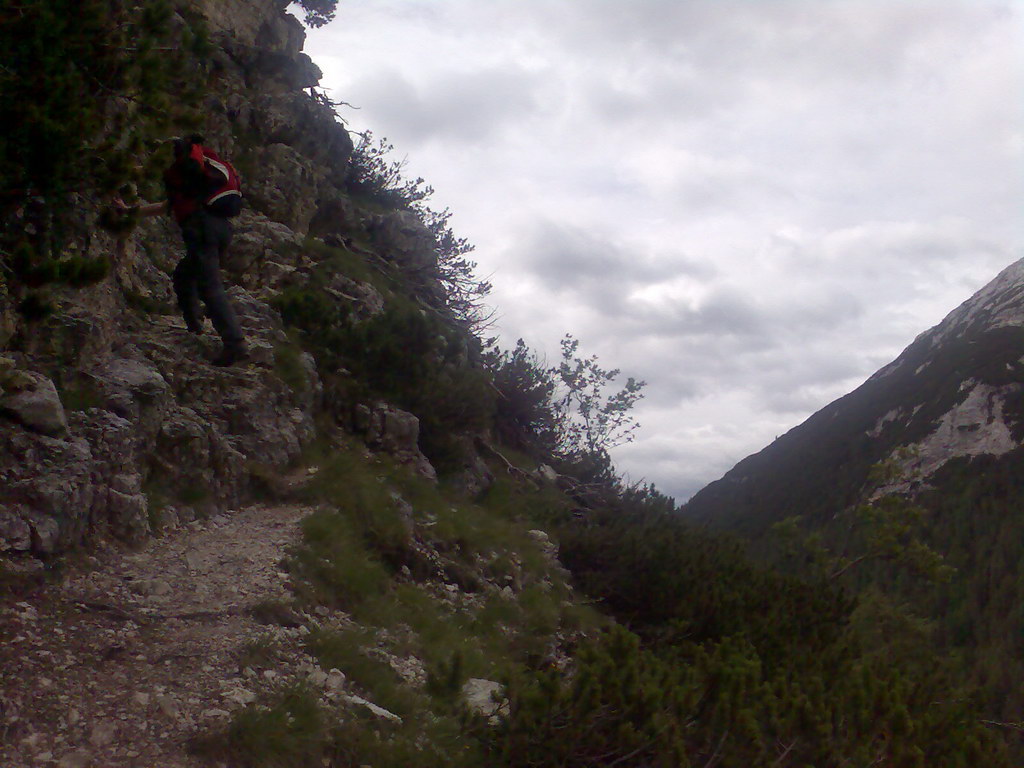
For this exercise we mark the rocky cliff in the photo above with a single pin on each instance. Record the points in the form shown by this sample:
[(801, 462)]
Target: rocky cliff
[(111, 420)]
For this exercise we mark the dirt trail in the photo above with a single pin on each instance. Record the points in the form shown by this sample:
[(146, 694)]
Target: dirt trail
[(119, 664)]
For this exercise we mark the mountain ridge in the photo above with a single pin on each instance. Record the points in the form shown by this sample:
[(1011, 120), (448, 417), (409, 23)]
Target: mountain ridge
[(953, 392)]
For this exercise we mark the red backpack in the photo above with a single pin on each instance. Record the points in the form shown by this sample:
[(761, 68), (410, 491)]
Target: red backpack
[(226, 198)]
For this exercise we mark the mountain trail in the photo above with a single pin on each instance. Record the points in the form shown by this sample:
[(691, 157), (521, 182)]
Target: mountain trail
[(121, 663)]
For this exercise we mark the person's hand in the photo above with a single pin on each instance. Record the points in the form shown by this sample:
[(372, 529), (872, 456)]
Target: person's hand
[(118, 218)]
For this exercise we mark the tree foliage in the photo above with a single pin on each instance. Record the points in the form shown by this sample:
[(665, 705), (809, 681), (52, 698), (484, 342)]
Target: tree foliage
[(572, 410), (86, 87), (81, 82), (735, 664), (526, 416), (318, 12), (595, 416), (379, 179), (887, 528)]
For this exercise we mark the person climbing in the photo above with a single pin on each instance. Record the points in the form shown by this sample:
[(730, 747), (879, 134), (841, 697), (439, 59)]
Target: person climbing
[(203, 193)]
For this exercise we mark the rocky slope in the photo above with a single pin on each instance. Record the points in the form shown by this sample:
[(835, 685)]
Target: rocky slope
[(954, 396), (191, 555), (110, 417)]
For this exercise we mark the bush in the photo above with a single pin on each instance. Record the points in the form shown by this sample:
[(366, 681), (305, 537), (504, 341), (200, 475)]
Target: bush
[(526, 417), (333, 566), (405, 356), (288, 731)]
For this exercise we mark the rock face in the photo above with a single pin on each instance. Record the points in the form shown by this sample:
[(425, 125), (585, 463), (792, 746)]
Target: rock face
[(955, 395), (111, 418)]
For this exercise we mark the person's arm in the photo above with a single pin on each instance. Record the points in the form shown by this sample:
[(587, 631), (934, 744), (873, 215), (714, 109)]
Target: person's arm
[(143, 211), (152, 209)]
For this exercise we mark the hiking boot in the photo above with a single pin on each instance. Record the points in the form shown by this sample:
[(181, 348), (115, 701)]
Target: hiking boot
[(196, 329), (231, 354)]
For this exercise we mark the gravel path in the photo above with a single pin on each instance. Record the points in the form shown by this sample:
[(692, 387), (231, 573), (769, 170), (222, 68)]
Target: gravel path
[(121, 663)]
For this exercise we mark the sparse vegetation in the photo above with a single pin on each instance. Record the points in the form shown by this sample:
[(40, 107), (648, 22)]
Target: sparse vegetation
[(288, 365), (287, 730), (258, 653), (87, 90)]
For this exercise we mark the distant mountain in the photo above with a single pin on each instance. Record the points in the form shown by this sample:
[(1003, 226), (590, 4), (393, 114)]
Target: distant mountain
[(954, 398)]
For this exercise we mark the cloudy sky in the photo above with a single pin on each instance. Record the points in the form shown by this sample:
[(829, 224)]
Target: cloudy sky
[(750, 205)]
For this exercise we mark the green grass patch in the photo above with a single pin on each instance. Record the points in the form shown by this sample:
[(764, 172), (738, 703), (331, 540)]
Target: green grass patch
[(334, 566), (332, 260), (289, 367), (431, 631), (359, 492), (435, 741), (258, 652), (288, 731), (345, 651)]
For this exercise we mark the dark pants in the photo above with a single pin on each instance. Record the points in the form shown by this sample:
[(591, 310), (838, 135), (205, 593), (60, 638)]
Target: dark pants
[(198, 275)]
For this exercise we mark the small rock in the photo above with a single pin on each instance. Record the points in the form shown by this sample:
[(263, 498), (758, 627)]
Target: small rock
[(153, 587), (369, 705), (32, 741), (36, 405), (193, 560), (240, 696), (480, 697), (167, 705), (318, 678), (212, 714), (546, 474), (541, 537), (80, 758), (335, 680), (102, 734)]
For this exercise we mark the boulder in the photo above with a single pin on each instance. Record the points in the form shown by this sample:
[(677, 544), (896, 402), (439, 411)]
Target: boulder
[(292, 118), (364, 301), (401, 236), (246, 20), (286, 187), (31, 399), (258, 241), (484, 698), (395, 432)]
